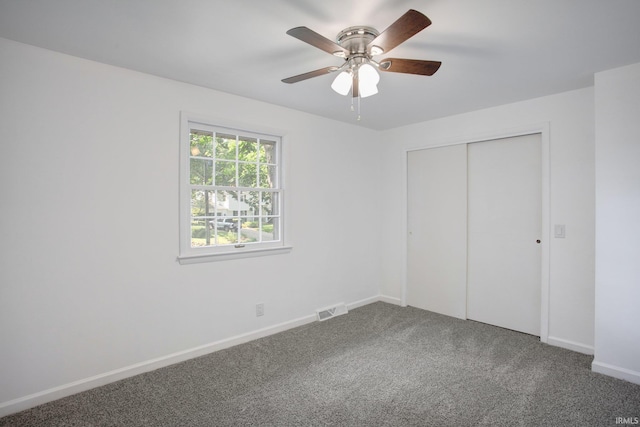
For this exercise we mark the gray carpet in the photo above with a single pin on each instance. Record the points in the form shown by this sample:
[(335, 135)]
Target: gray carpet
[(379, 365)]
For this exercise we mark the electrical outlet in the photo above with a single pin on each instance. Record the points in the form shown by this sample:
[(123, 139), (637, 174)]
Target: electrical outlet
[(260, 309)]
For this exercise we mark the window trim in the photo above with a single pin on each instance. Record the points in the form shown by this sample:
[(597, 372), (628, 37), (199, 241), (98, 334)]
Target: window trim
[(191, 255)]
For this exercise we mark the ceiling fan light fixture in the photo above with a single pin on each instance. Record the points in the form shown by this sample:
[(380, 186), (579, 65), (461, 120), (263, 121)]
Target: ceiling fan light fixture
[(368, 79), (366, 91), (342, 83)]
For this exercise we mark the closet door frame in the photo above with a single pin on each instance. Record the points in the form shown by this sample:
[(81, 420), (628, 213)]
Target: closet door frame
[(539, 128)]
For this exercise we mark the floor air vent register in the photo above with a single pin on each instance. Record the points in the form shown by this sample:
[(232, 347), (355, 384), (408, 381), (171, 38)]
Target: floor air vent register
[(333, 311)]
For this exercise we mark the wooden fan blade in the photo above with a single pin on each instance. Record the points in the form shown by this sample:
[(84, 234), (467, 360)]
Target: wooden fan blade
[(403, 29), (409, 66), (317, 40), (355, 86), (310, 74)]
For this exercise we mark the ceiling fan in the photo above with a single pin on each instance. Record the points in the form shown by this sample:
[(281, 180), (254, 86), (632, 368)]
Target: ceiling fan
[(358, 45)]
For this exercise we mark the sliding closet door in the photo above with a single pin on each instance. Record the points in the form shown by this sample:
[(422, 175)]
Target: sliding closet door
[(437, 228), (504, 254)]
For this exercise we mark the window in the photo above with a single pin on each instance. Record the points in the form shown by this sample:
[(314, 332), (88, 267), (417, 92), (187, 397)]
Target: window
[(231, 193)]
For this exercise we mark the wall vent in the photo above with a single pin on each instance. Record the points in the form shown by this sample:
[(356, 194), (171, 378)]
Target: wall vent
[(333, 311)]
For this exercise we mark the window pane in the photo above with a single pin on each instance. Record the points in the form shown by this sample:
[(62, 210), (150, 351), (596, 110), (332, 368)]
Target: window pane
[(225, 224), (250, 204), (197, 203), (230, 204), (249, 231), (227, 237), (201, 143), (249, 223), (201, 233), (225, 174), (247, 149), (247, 175), (202, 203), (201, 171), (270, 229), (267, 151), (268, 176), (239, 204), (225, 146), (269, 203)]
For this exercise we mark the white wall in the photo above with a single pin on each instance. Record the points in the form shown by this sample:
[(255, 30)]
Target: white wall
[(570, 116), (617, 314), (89, 224)]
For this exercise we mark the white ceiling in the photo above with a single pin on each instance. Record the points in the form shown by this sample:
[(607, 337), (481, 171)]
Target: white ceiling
[(493, 51)]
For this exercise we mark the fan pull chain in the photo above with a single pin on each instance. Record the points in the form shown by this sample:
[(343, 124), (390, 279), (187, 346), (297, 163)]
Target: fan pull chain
[(352, 106)]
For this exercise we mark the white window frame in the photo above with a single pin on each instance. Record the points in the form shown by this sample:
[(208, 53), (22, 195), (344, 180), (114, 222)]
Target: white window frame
[(189, 254)]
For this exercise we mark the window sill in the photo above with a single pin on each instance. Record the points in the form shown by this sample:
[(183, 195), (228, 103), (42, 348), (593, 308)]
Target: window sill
[(196, 259)]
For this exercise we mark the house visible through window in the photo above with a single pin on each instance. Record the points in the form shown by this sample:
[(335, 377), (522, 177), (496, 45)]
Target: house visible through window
[(231, 199)]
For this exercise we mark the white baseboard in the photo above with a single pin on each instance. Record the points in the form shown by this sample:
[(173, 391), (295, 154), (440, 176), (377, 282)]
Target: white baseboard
[(371, 300), (363, 302), (390, 300), (39, 398), (570, 345), (616, 372)]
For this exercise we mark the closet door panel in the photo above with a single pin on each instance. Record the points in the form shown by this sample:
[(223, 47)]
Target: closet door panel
[(504, 229), (437, 230)]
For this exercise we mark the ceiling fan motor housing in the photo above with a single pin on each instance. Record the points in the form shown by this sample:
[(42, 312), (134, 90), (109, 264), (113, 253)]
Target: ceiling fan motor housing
[(356, 39)]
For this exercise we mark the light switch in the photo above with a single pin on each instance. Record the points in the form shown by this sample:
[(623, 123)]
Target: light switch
[(559, 232)]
